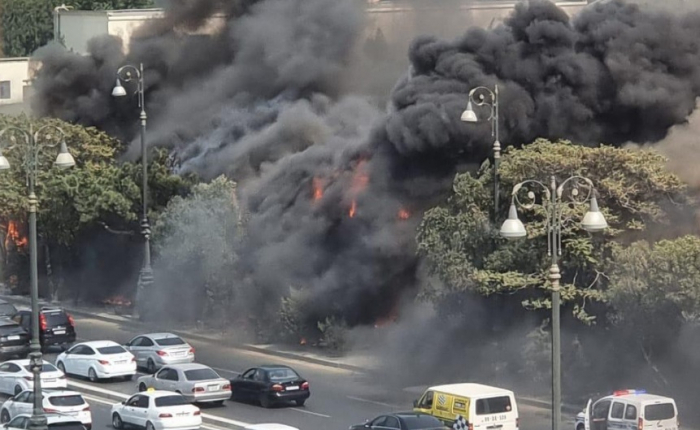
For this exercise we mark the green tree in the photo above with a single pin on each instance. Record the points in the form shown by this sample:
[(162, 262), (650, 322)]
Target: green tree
[(465, 256), (195, 238), (28, 24)]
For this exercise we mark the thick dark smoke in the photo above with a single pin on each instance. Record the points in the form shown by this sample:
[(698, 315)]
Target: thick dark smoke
[(262, 101)]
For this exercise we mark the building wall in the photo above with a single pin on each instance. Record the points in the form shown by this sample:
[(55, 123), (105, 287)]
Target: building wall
[(14, 77), (76, 29)]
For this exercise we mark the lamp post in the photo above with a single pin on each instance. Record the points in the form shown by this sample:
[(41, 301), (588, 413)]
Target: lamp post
[(477, 96), (31, 148), (593, 221), (129, 73)]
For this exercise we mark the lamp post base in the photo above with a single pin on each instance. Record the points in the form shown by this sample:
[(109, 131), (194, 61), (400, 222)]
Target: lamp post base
[(38, 420)]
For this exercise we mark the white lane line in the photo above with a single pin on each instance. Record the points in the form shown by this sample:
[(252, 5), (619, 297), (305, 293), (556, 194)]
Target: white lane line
[(226, 370), (309, 412), (372, 402), (97, 389)]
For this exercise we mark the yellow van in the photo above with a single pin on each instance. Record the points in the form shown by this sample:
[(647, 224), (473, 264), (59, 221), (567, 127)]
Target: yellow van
[(481, 406)]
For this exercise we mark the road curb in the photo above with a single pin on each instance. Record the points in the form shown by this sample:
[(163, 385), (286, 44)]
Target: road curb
[(241, 346)]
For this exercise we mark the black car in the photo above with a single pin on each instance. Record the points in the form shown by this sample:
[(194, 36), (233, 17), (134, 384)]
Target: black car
[(7, 309), (14, 340), (402, 421), (56, 326), (270, 384)]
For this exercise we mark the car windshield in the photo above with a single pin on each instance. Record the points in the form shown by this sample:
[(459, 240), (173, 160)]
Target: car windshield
[(45, 368), (201, 374), (69, 400), (423, 422), (7, 309), (11, 329), (282, 374), (170, 341), (171, 401), (662, 411), (56, 318), (111, 350)]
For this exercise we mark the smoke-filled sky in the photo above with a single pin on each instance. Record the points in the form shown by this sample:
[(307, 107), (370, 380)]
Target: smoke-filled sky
[(265, 102)]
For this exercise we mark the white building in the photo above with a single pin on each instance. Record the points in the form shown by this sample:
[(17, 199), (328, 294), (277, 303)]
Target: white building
[(15, 83)]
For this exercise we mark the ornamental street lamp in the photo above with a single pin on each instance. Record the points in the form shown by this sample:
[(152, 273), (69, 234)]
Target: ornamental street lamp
[(553, 203), (129, 73), (31, 148), (477, 96)]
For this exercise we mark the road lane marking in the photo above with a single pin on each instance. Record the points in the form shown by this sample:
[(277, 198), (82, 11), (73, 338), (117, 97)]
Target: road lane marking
[(98, 400), (373, 402), (226, 370), (309, 412)]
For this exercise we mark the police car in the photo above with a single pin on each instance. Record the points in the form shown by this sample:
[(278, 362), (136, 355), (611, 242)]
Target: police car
[(157, 410), (629, 410)]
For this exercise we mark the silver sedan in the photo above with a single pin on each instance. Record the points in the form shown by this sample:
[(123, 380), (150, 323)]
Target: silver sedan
[(196, 382), (155, 350)]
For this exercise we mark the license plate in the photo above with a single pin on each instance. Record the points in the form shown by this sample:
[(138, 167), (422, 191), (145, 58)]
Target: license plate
[(59, 332), (120, 362), (182, 414), (292, 388), (49, 380), (212, 387), (13, 337), (73, 414)]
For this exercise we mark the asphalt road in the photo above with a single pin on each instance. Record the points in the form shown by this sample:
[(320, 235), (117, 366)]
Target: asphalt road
[(339, 397)]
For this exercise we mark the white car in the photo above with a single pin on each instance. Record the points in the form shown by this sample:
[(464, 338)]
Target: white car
[(102, 359), (16, 376), (155, 350), (54, 421), (157, 410), (64, 402)]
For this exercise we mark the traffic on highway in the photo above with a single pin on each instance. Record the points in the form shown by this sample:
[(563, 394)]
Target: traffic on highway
[(120, 376)]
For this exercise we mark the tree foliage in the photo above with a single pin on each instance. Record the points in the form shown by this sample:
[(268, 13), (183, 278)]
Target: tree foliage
[(464, 253), (28, 24)]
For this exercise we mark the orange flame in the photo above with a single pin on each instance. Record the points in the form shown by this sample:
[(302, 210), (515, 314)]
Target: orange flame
[(360, 179), (117, 301), (318, 189), (353, 209), (302, 341), (403, 214), (13, 235)]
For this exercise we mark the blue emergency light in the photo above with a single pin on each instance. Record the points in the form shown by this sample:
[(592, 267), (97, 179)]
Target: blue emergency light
[(628, 392)]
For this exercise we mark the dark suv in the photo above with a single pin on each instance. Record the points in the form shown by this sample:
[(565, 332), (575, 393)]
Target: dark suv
[(57, 327), (14, 340)]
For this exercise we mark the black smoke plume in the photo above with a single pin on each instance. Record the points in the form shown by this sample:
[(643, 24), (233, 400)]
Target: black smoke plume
[(262, 101)]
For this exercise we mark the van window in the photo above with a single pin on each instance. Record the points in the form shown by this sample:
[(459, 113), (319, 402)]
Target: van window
[(617, 410), (427, 401), (631, 412), (662, 411), (494, 405)]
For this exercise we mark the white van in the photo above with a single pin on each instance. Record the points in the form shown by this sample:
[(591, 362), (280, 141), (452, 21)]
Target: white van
[(629, 410), (482, 407)]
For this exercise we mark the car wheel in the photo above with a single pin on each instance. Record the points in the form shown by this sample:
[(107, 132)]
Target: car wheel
[(302, 401), (142, 387), (92, 375), (117, 422), (580, 427), (18, 389), (265, 401), (4, 416), (61, 367), (151, 366), (149, 426)]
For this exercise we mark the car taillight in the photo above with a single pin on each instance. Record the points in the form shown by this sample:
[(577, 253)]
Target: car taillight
[(29, 378), (133, 359), (197, 413), (71, 321), (227, 387), (161, 353), (165, 416), (277, 387), (103, 362), (42, 322), (640, 423), (86, 408), (305, 386), (51, 411), (191, 351), (197, 389)]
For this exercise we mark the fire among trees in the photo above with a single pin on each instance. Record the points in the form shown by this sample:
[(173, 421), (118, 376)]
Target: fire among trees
[(14, 234)]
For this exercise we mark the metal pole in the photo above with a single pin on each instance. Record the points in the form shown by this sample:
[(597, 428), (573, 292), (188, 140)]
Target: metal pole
[(38, 419), (146, 272), (554, 276), (496, 155)]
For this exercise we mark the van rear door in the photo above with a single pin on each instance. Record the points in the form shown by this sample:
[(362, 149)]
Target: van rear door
[(661, 415), (496, 413), (587, 416)]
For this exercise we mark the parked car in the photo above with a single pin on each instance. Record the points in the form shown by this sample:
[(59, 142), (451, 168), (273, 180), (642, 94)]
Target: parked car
[(270, 384), (16, 376), (155, 409), (155, 350), (402, 421), (7, 309), (56, 326), (54, 422), (54, 402), (197, 382), (102, 359), (14, 340)]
